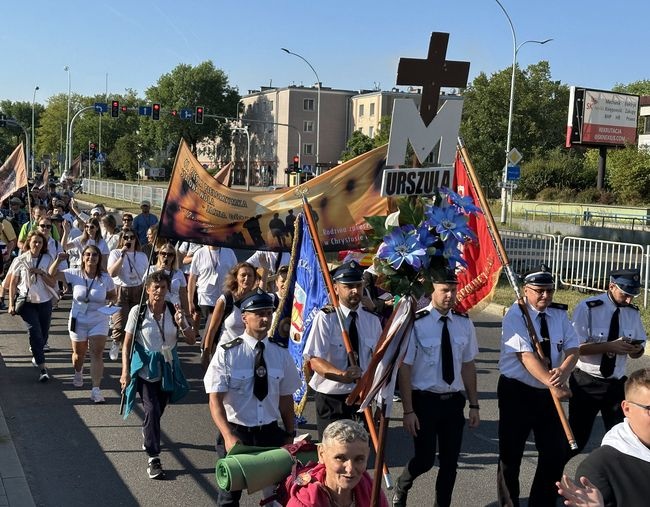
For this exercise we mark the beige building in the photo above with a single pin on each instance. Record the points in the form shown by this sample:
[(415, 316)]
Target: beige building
[(368, 108)]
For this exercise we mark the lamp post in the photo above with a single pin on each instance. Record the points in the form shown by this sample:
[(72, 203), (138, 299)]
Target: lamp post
[(36, 88), (515, 50), (317, 106), (67, 124)]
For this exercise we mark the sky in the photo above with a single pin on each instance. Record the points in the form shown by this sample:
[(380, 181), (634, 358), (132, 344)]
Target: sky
[(352, 45)]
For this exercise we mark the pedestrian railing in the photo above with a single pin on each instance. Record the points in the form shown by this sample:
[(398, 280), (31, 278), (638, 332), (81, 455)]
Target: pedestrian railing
[(591, 218), (125, 191)]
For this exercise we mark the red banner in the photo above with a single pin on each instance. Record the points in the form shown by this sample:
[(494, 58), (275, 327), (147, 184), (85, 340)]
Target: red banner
[(477, 282)]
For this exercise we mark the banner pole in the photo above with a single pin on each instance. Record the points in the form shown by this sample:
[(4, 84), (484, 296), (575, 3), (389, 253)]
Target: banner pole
[(512, 278)]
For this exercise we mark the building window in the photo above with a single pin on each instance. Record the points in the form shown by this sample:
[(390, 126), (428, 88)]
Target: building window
[(360, 129), (646, 129), (308, 126), (308, 104), (270, 105), (308, 149), (371, 132), (372, 109), (361, 109)]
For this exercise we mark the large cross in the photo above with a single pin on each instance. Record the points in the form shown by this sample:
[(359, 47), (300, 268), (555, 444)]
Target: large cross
[(432, 74)]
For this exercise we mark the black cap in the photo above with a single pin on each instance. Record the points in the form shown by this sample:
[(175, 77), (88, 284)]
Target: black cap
[(444, 275), (348, 272), (256, 300), (539, 276), (628, 280)]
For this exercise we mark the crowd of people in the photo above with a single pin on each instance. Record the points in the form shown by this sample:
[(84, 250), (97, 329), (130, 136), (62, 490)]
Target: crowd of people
[(146, 294)]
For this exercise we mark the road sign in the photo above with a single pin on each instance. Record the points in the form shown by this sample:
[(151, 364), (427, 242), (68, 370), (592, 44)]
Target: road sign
[(186, 114), (101, 107), (513, 173), (100, 157), (514, 157), (145, 110)]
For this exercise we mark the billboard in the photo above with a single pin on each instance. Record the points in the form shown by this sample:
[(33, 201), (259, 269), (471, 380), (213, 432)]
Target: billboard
[(601, 118)]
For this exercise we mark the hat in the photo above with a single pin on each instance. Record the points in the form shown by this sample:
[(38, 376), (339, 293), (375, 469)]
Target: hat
[(628, 280), (15, 200), (256, 300), (96, 210), (348, 272), (445, 275), (539, 276), (145, 203)]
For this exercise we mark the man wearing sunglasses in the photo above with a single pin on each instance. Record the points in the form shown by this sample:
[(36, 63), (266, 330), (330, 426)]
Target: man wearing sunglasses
[(524, 390), (610, 329)]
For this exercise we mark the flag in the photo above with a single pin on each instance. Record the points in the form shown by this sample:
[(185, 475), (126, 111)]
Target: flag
[(476, 283), (306, 295), (75, 168), (13, 173), (223, 174)]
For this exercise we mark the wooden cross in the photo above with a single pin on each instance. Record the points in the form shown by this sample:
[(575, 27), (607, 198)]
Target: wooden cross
[(432, 74)]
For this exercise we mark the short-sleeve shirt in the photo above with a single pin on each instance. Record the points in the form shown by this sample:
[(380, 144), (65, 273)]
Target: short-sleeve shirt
[(211, 267), (88, 294), (133, 270), (231, 371), (178, 281), (515, 339), (38, 292)]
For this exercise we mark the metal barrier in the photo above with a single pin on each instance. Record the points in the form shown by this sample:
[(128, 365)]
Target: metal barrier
[(527, 251), (592, 218), (125, 191)]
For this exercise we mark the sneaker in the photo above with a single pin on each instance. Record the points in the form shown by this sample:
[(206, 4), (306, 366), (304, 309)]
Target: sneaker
[(399, 498), (78, 380), (44, 376), (96, 395), (114, 353), (155, 470), (3, 306), (144, 447), (34, 363), (46, 348)]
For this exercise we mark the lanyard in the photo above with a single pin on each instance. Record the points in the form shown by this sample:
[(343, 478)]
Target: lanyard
[(88, 288), (160, 328)]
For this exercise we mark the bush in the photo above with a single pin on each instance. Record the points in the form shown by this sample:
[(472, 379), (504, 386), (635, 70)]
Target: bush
[(595, 196)]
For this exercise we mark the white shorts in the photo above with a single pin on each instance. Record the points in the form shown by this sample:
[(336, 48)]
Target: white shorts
[(95, 325)]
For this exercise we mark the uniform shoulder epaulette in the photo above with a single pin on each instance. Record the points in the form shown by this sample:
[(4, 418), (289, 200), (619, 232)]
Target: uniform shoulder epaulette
[(327, 309), (633, 306), (421, 313), (460, 314), (279, 343), (233, 343), (371, 311), (593, 303), (559, 306)]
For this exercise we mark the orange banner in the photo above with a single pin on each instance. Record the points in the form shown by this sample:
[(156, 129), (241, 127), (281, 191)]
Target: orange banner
[(199, 208), (13, 173)]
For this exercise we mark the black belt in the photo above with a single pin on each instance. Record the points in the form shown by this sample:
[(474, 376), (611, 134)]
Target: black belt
[(253, 429), (437, 396)]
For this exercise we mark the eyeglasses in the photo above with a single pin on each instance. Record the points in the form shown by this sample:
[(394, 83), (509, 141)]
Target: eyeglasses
[(539, 292), (45, 226), (128, 237), (166, 254), (644, 407), (91, 255), (127, 219)]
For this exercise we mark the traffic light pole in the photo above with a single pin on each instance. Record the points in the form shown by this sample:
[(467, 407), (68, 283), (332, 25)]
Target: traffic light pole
[(83, 109)]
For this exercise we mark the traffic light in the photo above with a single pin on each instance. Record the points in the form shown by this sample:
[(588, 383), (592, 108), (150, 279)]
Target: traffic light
[(155, 112), (198, 116), (92, 151), (174, 112), (124, 109), (3, 121), (296, 164), (115, 108)]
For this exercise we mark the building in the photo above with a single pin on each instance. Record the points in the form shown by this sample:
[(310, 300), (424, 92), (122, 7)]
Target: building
[(644, 121), (370, 106)]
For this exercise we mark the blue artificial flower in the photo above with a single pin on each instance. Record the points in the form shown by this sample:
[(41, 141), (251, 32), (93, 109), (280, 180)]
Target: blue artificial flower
[(464, 203), (453, 256), (400, 245), (448, 222)]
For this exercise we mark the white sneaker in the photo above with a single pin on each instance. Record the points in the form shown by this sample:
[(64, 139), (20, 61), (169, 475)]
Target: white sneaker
[(78, 380), (96, 395), (114, 353), (34, 362), (46, 348)]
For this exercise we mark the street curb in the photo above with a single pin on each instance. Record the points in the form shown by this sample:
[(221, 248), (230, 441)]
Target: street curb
[(14, 489), (495, 309)]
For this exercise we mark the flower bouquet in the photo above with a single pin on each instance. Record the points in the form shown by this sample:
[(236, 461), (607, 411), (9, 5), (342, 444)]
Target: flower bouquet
[(424, 237)]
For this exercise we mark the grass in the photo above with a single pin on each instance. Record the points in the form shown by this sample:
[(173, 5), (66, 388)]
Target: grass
[(129, 207)]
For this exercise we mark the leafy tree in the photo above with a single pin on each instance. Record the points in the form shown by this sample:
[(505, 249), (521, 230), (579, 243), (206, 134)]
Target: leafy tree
[(358, 144), (383, 133), (125, 156), (10, 137), (641, 87)]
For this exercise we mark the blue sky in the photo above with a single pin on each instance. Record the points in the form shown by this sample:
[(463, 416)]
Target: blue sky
[(352, 45)]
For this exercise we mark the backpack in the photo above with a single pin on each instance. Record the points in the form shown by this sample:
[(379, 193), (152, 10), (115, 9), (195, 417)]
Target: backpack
[(230, 304)]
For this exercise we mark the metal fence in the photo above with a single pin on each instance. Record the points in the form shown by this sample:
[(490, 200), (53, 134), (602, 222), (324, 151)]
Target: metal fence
[(125, 191), (576, 262)]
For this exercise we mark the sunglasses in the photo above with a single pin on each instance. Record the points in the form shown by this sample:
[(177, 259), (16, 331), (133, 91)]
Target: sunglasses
[(127, 238), (539, 292), (45, 226), (127, 220), (166, 254), (91, 227), (91, 255)]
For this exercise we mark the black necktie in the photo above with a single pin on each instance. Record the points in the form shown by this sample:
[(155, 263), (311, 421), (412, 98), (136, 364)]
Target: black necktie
[(545, 341), (261, 386), (353, 333), (446, 353), (608, 363)]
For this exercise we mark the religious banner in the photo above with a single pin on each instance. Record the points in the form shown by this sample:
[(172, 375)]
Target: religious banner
[(13, 173), (198, 208)]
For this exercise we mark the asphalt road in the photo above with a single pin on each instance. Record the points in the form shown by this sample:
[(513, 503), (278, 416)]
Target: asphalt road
[(75, 453)]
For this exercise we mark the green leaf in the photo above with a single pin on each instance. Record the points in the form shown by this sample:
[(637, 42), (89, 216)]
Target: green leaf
[(378, 224)]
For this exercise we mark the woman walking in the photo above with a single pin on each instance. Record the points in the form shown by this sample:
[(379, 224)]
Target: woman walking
[(30, 295), (91, 235), (168, 263), (92, 287)]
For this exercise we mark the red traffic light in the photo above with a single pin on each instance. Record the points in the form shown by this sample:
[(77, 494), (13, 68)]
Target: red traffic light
[(198, 115), (174, 112), (124, 109), (155, 112), (115, 108), (296, 163)]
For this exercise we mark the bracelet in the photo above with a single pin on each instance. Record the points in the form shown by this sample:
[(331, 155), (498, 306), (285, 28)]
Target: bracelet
[(409, 412), (474, 406)]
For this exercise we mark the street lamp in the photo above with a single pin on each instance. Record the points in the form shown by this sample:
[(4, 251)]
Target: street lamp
[(67, 125), (515, 50), (318, 105), (36, 88)]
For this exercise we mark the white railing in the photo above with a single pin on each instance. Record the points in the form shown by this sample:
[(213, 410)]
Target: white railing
[(527, 251), (128, 192)]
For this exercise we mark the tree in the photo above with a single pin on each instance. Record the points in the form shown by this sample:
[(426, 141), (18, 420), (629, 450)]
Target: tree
[(358, 144), (538, 123), (383, 133), (641, 87), (10, 137), (187, 87)]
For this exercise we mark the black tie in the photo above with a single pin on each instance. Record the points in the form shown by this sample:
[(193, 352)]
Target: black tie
[(353, 332), (545, 339), (446, 353), (261, 386), (608, 363)]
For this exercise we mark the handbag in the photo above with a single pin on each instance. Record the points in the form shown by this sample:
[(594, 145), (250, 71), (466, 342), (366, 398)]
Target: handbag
[(19, 301)]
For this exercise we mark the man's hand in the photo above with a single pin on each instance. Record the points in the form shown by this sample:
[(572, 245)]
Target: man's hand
[(125, 380), (474, 418), (229, 441), (351, 374), (562, 393), (411, 424), (559, 377), (586, 496), (620, 346)]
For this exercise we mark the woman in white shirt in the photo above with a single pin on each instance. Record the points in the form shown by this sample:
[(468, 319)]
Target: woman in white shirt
[(92, 235), (32, 282), (168, 263), (111, 234)]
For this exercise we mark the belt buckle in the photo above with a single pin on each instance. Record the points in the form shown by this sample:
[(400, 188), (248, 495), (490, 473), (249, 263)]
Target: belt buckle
[(447, 396)]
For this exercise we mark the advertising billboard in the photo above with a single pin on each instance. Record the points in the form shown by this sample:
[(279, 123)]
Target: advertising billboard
[(601, 118)]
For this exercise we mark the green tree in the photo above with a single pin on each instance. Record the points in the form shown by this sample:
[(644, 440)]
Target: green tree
[(358, 144), (383, 133), (641, 87), (10, 137), (538, 123), (628, 173)]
